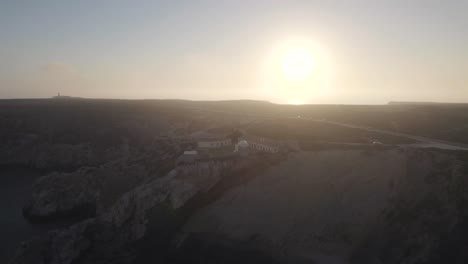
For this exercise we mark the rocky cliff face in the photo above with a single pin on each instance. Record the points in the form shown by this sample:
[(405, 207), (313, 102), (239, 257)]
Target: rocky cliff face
[(63, 194), (89, 191), (335, 206), (107, 236), (426, 220), (393, 206)]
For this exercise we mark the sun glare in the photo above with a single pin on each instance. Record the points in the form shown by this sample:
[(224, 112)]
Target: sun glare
[(297, 68), (297, 64)]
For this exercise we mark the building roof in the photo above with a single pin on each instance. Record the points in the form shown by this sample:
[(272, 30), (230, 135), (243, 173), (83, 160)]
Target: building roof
[(243, 144)]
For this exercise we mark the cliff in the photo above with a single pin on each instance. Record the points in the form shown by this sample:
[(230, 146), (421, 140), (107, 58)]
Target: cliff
[(133, 218), (89, 191), (392, 206), (335, 206)]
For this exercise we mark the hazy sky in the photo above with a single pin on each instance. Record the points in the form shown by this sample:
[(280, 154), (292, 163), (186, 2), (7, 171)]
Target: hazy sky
[(376, 51)]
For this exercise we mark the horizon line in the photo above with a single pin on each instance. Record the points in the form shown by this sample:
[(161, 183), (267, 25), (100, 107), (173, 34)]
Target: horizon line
[(391, 102)]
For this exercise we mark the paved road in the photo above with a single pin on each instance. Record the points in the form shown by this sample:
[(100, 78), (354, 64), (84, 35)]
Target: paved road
[(424, 141)]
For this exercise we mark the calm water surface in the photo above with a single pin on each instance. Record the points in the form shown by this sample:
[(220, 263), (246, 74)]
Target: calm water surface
[(15, 188)]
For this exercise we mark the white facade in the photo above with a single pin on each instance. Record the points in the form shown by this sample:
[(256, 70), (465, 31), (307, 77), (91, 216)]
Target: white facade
[(263, 144), (263, 147), (241, 145), (242, 148)]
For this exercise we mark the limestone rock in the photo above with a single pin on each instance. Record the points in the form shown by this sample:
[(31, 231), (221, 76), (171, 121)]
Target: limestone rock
[(125, 222)]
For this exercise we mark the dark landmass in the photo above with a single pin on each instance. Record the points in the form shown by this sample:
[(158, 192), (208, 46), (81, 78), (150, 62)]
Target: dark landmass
[(422, 103), (336, 192)]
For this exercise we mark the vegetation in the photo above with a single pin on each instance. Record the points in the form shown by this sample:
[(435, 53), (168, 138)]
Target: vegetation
[(307, 131)]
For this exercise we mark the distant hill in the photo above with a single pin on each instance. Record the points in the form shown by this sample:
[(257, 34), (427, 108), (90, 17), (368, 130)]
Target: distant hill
[(423, 103)]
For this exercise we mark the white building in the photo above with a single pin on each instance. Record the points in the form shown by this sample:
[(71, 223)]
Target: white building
[(263, 144), (242, 147)]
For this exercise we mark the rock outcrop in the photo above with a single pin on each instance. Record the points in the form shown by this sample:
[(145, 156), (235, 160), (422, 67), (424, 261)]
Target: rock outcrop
[(335, 206), (60, 195), (89, 191), (392, 206), (426, 220), (127, 221)]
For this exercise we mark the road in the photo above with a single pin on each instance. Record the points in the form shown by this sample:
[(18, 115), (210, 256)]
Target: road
[(424, 141)]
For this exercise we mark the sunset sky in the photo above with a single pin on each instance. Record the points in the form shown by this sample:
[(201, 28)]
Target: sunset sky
[(353, 52)]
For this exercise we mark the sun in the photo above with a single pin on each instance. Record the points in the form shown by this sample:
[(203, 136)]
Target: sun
[(297, 64), (297, 71)]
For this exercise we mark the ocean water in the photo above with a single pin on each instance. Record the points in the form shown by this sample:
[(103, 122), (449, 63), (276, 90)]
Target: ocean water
[(15, 188)]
